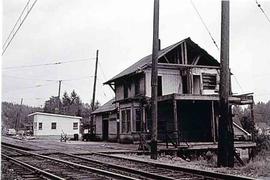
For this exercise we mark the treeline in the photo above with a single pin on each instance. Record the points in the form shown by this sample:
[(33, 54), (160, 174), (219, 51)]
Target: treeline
[(261, 113), (69, 105), (12, 113)]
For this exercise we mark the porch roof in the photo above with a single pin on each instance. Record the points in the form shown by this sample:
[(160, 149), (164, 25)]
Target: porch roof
[(232, 99), (107, 107)]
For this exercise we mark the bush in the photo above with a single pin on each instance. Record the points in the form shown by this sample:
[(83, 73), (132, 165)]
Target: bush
[(262, 143)]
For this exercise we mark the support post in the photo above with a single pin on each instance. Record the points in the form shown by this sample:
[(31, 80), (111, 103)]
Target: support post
[(154, 80), (225, 141), (175, 121), (213, 124)]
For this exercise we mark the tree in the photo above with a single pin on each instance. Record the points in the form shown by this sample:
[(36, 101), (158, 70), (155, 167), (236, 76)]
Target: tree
[(72, 104), (51, 105)]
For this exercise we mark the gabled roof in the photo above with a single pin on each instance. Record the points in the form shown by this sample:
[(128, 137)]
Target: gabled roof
[(107, 107), (148, 59)]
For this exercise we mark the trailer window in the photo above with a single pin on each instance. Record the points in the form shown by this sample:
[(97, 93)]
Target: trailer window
[(54, 125), (39, 126), (75, 126)]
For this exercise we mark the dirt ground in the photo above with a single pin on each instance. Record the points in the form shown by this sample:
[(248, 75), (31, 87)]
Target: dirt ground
[(46, 145)]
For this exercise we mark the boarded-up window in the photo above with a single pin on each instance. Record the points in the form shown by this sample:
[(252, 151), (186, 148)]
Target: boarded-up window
[(75, 126), (125, 115), (39, 126), (209, 81), (54, 125)]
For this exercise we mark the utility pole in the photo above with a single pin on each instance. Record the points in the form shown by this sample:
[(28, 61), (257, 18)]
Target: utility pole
[(59, 101), (225, 128), (94, 95), (95, 82), (154, 80)]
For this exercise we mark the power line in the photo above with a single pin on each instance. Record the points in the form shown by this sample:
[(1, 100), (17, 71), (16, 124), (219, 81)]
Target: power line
[(238, 83), (260, 7), (17, 77), (46, 64), (50, 80), (31, 87), (16, 28), (194, 7)]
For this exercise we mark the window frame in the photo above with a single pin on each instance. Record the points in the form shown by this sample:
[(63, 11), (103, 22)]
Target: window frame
[(40, 126), (75, 127), (126, 120), (137, 120), (52, 127)]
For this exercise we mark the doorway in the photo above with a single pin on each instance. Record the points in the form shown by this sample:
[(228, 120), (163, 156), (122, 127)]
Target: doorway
[(196, 84), (105, 129)]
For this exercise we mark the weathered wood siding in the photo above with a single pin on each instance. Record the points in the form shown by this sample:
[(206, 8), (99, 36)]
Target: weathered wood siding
[(171, 81)]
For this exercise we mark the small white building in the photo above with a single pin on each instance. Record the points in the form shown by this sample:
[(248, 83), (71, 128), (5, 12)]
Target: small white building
[(46, 124)]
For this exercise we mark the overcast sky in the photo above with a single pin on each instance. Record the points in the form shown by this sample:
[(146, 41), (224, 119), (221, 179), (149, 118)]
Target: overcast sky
[(61, 30)]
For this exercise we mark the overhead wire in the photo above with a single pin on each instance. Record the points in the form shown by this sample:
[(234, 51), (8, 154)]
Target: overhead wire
[(56, 80), (46, 64), (204, 24), (14, 31), (260, 7), (238, 83), (31, 87)]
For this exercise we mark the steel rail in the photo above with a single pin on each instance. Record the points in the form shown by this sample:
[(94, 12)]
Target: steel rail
[(44, 173), (95, 170), (198, 172), (16, 146), (123, 168)]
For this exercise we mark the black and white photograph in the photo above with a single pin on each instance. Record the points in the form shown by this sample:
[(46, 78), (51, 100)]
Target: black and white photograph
[(135, 89)]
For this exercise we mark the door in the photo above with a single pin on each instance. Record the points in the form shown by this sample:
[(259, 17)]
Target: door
[(196, 84), (105, 129)]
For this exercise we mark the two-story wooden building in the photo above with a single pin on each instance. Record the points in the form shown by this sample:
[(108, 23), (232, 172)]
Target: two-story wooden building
[(188, 86)]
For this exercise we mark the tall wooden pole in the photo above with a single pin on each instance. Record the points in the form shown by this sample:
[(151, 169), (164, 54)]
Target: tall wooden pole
[(225, 138), (154, 80), (59, 101), (94, 96), (95, 82)]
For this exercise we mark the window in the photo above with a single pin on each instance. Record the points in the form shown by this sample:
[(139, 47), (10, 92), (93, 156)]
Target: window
[(39, 126), (126, 86), (75, 126), (209, 81), (125, 115), (54, 125), (137, 86), (138, 120)]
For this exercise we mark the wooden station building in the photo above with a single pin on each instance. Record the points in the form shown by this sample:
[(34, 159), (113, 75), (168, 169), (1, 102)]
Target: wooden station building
[(188, 99)]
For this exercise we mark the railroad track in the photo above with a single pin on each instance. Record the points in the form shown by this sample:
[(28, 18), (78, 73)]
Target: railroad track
[(169, 171), (53, 168), (102, 166)]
